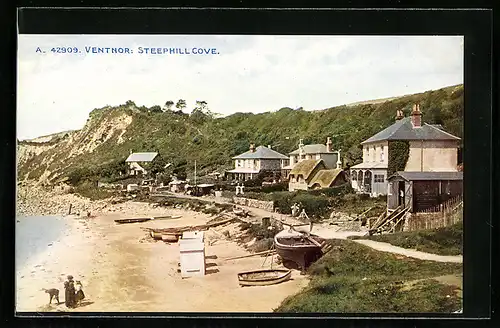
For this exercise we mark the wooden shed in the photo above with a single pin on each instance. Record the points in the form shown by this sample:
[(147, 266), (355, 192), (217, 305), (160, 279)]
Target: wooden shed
[(422, 190)]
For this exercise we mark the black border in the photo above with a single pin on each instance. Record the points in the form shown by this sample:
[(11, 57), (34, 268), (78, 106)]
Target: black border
[(475, 25)]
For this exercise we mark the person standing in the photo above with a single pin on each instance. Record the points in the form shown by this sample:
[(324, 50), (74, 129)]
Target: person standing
[(69, 293)]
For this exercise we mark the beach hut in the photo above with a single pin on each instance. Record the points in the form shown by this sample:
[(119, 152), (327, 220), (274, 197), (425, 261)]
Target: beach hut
[(192, 257)]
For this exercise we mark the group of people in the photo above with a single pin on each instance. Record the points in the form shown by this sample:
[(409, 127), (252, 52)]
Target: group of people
[(72, 294)]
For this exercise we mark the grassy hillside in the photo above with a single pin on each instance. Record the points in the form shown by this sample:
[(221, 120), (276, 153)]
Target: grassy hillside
[(354, 278), (111, 132)]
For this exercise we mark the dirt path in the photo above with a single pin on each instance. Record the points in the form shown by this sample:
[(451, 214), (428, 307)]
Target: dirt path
[(386, 247)]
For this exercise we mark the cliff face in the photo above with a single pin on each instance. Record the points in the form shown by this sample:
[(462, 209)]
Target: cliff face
[(112, 132), (45, 159)]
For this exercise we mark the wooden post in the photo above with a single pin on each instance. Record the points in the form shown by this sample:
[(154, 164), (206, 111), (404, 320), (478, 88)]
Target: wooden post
[(69, 210)]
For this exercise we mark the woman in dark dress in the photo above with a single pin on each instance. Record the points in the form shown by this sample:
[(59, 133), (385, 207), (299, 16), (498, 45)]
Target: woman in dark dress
[(69, 293)]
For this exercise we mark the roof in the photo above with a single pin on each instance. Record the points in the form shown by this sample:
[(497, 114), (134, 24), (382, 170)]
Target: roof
[(312, 149), (412, 176), (369, 165), (141, 157), (325, 178), (261, 152), (306, 167), (404, 130)]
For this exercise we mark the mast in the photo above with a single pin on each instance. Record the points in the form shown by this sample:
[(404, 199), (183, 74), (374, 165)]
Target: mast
[(195, 173)]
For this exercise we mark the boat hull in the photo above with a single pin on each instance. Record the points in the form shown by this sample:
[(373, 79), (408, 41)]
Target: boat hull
[(122, 221), (297, 256), (263, 277)]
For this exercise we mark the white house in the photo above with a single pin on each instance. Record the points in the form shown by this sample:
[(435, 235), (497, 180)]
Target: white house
[(431, 149), (136, 162), (249, 164)]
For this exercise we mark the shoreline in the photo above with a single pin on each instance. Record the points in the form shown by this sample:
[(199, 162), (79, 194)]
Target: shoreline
[(122, 270)]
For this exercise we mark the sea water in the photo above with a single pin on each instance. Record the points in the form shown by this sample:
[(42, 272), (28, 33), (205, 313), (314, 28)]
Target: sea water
[(34, 234)]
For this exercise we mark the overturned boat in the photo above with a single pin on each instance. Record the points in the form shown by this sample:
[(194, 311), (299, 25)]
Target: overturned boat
[(298, 250), (263, 277)]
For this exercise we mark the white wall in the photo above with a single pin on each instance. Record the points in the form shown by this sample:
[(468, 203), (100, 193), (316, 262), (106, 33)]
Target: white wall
[(434, 156), (373, 152)]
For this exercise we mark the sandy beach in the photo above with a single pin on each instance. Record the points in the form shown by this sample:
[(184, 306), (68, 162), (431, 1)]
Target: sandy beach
[(123, 270)]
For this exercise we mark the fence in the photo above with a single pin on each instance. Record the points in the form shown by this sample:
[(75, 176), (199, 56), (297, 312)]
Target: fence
[(446, 207), (265, 205), (442, 215)]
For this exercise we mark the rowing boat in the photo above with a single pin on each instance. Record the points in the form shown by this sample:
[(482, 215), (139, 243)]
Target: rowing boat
[(298, 249), (263, 277), (136, 220)]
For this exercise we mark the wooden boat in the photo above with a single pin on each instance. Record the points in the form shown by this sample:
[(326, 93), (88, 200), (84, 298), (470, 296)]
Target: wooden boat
[(240, 212), (263, 277), (298, 250), (122, 221), (303, 228), (156, 235), (170, 237), (167, 217)]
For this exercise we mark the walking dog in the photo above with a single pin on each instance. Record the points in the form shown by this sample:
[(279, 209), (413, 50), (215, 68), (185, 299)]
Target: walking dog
[(53, 293), (79, 292)]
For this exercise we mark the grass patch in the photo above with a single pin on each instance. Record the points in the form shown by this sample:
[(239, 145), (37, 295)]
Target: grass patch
[(441, 241), (356, 278), (91, 191)]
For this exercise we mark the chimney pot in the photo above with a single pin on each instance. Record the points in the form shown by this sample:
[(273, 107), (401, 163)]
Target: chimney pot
[(269, 146), (416, 116), (399, 114), (328, 144), (252, 147)]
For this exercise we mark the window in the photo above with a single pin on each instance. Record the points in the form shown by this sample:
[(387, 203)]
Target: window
[(382, 155), (379, 178)]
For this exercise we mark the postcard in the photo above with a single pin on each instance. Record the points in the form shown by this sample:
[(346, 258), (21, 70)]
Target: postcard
[(239, 173)]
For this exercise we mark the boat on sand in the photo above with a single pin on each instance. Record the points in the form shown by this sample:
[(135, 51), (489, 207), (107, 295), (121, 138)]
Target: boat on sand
[(263, 277), (298, 250), (133, 220)]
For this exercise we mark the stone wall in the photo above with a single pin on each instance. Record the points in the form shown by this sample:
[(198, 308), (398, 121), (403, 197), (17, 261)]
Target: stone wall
[(268, 206)]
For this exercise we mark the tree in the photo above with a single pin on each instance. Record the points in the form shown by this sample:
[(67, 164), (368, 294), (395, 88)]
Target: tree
[(168, 105), (155, 109), (181, 104)]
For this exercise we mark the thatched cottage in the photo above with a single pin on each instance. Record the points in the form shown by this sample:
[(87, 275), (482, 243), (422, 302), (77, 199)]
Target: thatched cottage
[(314, 174), (430, 149), (331, 158)]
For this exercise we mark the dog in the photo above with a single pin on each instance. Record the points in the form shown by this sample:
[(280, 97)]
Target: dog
[(53, 293), (80, 295)]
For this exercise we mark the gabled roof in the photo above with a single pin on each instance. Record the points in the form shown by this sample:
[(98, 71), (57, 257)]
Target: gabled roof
[(325, 178), (261, 152), (312, 149), (306, 167), (412, 176), (404, 130), (141, 157)]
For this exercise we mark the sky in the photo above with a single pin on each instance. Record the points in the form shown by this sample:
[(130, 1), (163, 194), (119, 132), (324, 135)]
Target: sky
[(56, 91)]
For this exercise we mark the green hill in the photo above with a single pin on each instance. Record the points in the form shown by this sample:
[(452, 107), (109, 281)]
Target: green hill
[(112, 132)]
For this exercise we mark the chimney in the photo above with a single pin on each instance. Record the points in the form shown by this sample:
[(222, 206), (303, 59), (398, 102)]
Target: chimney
[(252, 148), (416, 116), (328, 144), (131, 151), (399, 115), (339, 161), (301, 148), (269, 146)]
